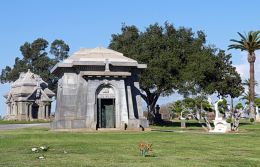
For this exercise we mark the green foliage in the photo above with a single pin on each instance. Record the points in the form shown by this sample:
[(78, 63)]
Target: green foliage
[(248, 42), (252, 120), (35, 57), (191, 104), (226, 80), (222, 106), (177, 60), (229, 120), (257, 102), (239, 106), (59, 49), (247, 97)]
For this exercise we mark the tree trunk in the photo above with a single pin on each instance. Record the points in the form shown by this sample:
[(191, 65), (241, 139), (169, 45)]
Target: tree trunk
[(151, 100), (251, 59), (232, 105)]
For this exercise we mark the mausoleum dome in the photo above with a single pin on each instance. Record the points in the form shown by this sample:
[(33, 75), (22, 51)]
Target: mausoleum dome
[(28, 79)]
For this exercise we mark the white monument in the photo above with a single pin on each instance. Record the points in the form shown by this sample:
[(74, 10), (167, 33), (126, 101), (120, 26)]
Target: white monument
[(257, 116), (220, 124)]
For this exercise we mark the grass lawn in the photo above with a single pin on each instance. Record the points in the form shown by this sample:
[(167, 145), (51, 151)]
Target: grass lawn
[(181, 147)]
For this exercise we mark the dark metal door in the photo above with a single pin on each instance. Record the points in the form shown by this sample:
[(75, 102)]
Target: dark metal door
[(106, 113)]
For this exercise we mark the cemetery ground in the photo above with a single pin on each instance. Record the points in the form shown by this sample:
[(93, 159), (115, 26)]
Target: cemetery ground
[(171, 146)]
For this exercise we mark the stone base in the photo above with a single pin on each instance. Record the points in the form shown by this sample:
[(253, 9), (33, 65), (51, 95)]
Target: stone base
[(257, 118), (68, 124), (80, 125), (137, 123), (221, 126)]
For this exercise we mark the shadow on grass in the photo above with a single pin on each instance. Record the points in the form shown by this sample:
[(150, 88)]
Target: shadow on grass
[(178, 124)]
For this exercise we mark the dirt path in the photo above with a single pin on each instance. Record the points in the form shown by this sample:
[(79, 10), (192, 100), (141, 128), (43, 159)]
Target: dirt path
[(19, 126)]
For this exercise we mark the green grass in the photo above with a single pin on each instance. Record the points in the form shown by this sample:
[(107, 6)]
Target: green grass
[(183, 147)]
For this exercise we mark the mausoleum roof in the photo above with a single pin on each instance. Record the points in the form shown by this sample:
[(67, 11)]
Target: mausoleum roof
[(28, 79), (26, 85), (97, 57), (99, 54)]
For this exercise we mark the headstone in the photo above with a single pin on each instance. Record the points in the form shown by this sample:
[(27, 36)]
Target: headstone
[(183, 124)]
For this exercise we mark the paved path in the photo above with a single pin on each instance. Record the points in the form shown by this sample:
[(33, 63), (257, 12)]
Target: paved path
[(19, 126)]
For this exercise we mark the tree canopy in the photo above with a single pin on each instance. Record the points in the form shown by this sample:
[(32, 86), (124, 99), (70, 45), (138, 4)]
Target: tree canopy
[(36, 58), (177, 59)]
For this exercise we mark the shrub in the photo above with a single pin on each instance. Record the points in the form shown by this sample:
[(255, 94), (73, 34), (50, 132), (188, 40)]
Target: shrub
[(229, 120)]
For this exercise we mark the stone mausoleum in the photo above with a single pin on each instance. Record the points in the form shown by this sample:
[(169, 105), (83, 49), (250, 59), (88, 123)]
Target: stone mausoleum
[(29, 98), (98, 89)]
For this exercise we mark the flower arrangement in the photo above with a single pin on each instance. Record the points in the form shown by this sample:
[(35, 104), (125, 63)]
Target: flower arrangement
[(40, 149), (145, 148)]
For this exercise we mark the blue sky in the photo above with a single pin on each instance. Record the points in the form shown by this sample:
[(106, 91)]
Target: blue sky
[(85, 23)]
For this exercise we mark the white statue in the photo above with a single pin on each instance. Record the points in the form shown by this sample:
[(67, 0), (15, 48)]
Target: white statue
[(217, 113)]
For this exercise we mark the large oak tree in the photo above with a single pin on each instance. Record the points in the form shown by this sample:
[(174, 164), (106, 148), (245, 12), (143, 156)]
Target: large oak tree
[(177, 60), (36, 58)]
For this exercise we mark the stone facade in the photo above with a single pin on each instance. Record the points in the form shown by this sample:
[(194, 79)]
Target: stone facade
[(29, 98), (98, 88)]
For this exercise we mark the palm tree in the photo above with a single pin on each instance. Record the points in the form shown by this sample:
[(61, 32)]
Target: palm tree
[(246, 82), (246, 97), (249, 42)]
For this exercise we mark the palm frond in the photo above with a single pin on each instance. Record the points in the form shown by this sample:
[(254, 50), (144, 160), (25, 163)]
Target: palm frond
[(242, 36)]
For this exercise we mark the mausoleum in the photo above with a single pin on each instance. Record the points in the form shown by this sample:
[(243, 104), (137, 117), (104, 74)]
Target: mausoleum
[(98, 88), (29, 98)]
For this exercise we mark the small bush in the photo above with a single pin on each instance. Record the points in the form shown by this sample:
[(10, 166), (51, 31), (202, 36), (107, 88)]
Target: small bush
[(229, 120), (252, 120)]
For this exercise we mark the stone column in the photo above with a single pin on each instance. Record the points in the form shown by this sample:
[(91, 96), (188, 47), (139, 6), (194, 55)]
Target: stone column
[(15, 109), (47, 112), (139, 100), (30, 111), (41, 111), (27, 112), (9, 109), (130, 103)]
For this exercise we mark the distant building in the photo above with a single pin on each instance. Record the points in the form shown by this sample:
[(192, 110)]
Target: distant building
[(29, 98), (98, 88)]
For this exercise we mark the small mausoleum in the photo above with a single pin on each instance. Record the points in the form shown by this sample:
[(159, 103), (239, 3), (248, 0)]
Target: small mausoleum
[(29, 98), (98, 88)]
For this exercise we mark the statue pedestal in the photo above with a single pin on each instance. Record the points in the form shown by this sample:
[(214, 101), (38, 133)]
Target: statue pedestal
[(257, 118), (221, 126)]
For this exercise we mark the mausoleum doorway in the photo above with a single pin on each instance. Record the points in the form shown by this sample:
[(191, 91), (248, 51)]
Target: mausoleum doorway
[(35, 110), (106, 113), (106, 109)]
